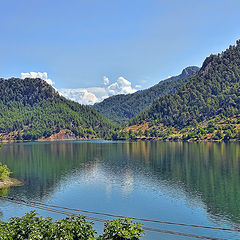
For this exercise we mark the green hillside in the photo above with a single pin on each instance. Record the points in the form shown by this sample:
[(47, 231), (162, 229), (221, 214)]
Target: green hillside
[(120, 108), (31, 109), (214, 91)]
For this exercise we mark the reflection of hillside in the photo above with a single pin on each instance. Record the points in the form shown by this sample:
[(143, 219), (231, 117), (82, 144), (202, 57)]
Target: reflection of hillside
[(211, 170), (42, 166)]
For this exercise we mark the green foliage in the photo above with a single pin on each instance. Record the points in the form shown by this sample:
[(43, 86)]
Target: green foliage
[(122, 107), (34, 109), (33, 227), (215, 90), (73, 228), (218, 135), (122, 229), (4, 192), (4, 172), (132, 135)]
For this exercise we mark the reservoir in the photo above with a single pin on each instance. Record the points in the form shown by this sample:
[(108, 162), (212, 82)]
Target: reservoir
[(176, 182)]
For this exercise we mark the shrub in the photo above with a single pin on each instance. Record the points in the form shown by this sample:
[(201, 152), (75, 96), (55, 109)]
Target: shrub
[(185, 137), (30, 226), (33, 227), (219, 134), (4, 172), (122, 229)]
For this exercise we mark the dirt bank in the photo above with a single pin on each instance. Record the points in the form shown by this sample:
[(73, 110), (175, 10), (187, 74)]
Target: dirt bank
[(9, 182)]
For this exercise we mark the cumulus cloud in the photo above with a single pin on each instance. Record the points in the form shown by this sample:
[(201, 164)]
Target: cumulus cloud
[(80, 95), (138, 86), (121, 86), (93, 95), (87, 96), (42, 75), (105, 80)]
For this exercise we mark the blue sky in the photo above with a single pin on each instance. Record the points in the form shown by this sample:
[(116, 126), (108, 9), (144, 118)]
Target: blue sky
[(78, 42)]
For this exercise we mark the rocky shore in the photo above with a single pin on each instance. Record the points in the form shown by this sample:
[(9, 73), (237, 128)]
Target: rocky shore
[(9, 182)]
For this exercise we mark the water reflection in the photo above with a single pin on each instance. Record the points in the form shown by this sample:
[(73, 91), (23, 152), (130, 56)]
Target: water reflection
[(209, 171)]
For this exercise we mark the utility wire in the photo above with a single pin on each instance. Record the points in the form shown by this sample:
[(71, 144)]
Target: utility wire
[(103, 220), (55, 210), (29, 204), (120, 216), (182, 234)]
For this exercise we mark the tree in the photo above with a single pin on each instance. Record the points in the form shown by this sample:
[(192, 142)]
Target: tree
[(122, 229), (33, 227)]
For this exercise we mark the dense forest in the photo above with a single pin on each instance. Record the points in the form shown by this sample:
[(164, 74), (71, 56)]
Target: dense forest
[(206, 108), (196, 105), (214, 91), (122, 107), (31, 109)]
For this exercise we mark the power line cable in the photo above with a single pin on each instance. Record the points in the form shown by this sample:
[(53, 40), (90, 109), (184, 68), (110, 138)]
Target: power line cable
[(120, 216), (103, 220)]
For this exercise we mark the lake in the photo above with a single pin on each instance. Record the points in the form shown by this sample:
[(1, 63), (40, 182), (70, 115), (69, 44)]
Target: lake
[(191, 183)]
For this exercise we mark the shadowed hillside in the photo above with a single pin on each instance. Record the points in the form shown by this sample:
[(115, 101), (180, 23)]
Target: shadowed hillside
[(32, 109)]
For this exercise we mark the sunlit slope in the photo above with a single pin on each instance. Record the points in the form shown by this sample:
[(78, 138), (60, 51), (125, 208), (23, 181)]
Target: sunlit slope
[(215, 90)]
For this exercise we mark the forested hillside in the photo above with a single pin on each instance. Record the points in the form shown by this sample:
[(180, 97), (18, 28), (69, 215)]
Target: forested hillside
[(214, 91), (31, 109), (198, 104), (120, 108)]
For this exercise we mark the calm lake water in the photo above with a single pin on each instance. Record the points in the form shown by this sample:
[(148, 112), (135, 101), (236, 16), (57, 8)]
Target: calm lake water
[(192, 183)]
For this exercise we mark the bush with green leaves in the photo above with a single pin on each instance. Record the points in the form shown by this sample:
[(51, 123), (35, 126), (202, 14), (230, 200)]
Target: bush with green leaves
[(73, 228), (122, 229), (4, 191), (4, 172), (33, 227)]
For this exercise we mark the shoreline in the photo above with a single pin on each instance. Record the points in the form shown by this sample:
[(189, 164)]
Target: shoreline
[(131, 140), (52, 140), (10, 182)]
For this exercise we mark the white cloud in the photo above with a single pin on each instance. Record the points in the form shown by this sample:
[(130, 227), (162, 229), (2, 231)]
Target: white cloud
[(105, 80), (80, 95), (169, 76), (42, 75), (92, 95), (121, 86), (138, 86), (87, 96)]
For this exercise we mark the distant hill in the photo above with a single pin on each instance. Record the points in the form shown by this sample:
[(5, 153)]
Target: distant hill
[(31, 109), (213, 91), (120, 108)]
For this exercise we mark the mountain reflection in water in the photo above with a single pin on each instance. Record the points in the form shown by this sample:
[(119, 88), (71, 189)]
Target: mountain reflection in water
[(206, 172)]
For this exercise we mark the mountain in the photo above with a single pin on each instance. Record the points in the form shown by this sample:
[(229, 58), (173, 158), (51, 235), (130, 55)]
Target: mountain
[(120, 108), (32, 109), (213, 94)]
